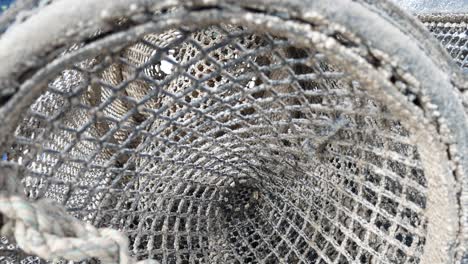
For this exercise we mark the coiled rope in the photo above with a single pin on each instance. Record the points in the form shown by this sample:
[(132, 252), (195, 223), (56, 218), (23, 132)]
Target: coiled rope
[(44, 229)]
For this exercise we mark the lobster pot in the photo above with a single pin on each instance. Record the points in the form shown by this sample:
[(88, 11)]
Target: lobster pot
[(260, 131)]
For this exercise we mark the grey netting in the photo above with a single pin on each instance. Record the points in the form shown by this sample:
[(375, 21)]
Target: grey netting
[(249, 153), (223, 143), (452, 32)]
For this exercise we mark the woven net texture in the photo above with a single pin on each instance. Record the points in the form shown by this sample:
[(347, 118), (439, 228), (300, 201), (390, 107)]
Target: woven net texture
[(222, 144), (451, 30)]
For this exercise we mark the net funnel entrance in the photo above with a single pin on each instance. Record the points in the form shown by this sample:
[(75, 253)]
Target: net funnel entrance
[(231, 134)]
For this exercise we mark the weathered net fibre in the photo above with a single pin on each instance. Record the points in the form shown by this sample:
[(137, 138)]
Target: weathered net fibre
[(220, 145), (451, 30)]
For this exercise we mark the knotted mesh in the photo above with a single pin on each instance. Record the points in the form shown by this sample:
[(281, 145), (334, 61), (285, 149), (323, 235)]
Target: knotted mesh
[(451, 30), (224, 145)]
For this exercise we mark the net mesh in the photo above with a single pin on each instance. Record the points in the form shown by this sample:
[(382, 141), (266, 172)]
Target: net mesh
[(223, 145), (451, 30)]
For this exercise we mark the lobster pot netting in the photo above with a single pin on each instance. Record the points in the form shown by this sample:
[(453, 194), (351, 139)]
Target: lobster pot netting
[(451, 31), (221, 143)]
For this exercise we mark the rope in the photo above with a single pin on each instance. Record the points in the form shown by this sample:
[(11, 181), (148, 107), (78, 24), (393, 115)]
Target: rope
[(45, 229)]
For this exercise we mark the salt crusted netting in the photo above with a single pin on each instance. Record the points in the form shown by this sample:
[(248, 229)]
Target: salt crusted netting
[(251, 132), (451, 29)]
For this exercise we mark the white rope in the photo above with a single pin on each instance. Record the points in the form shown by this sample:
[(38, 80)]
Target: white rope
[(47, 231)]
